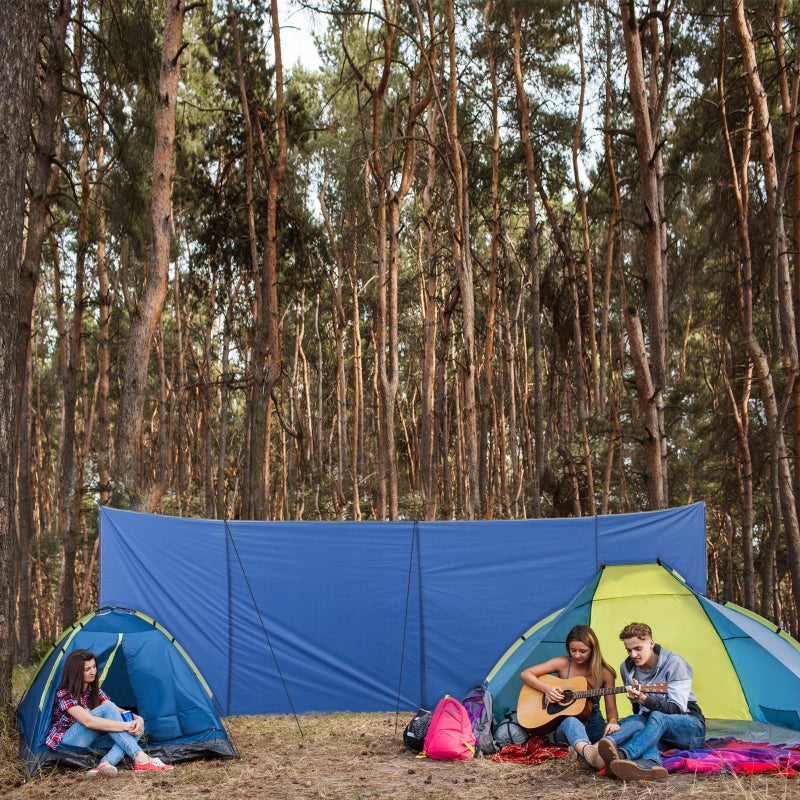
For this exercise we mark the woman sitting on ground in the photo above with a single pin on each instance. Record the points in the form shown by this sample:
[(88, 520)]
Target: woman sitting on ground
[(583, 659), (83, 715)]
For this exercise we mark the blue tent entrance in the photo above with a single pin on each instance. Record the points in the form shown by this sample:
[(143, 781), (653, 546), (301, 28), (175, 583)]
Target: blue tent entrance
[(142, 668)]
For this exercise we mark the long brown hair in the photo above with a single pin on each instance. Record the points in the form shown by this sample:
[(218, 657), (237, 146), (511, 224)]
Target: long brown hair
[(72, 676), (585, 635)]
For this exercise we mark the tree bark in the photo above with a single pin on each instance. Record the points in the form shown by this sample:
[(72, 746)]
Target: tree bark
[(70, 478), (533, 270), (740, 409), (647, 105), (147, 313), (19, 29), (339, 330), (43, 175), (491, 436), (780, 249), (588, 267), (42, 185), (429, 432), (462, 258), (266, 337)]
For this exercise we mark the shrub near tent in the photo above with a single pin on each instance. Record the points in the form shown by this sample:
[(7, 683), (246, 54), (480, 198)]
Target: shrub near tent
[(142, 668), (745, 670)]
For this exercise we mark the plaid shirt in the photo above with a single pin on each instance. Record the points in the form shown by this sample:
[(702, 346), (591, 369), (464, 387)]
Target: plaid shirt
[(62, 719)]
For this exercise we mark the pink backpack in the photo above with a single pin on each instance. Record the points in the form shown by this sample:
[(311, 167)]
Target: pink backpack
[(450, 736)]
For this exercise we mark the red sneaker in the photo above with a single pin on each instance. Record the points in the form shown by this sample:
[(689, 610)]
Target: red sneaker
[(152, 764)]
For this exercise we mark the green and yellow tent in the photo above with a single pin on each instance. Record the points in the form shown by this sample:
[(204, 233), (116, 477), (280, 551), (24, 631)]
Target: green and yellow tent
[(746, 670)]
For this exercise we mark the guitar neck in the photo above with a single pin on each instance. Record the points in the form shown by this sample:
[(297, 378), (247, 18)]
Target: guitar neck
[(604, 691)]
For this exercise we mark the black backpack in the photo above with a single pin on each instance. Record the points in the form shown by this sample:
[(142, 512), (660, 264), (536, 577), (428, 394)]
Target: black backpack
[(416, 730)]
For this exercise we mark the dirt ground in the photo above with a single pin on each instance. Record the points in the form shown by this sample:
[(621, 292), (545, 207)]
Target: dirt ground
[(362, 757)]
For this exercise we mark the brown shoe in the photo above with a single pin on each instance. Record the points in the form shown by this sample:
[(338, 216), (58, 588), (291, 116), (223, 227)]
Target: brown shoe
[(592, 757), (627, 770), (607, 751)]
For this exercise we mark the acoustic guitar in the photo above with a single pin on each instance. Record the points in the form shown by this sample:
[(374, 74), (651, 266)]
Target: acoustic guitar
[(536, 713)]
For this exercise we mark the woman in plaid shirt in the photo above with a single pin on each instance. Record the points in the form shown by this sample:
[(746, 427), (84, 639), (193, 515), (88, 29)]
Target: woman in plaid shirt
[(83, 714)]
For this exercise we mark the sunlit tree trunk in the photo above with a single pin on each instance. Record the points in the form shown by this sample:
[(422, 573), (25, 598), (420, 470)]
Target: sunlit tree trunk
[(462, 258), (339, 332), (790, 176), (647, 98), (537, 468), (146, 315), (491, 436), (429, 292), (253, 487), (357, 427), (267, 349), (607, 376), (591, 398)]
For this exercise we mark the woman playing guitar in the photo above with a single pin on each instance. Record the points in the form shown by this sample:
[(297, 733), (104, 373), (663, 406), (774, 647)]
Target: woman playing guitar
[(583, 660)]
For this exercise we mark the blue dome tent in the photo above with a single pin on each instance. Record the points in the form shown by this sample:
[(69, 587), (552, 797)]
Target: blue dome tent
[(141, 668)]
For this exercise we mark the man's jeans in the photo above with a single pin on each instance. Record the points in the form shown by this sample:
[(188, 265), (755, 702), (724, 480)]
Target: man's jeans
[(80, 737), (639, 736)]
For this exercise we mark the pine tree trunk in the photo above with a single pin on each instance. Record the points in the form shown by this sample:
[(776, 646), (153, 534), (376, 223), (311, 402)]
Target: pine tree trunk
[(537, 428), (780, 249), (429, 292), (462, 258), (491, 435), (145, 317), (645, 106), (19, 30)]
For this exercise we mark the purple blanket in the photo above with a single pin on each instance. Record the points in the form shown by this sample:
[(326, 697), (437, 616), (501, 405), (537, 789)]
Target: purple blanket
[(735, 755)]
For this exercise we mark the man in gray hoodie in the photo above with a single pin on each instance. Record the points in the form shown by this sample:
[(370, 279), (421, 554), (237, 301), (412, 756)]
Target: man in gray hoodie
[(673, 720)]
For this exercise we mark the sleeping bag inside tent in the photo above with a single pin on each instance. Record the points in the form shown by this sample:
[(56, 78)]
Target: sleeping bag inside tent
[(142, 668), (745, 669)]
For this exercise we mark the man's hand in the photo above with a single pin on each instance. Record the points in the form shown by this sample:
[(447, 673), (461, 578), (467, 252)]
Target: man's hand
[(635, 694)]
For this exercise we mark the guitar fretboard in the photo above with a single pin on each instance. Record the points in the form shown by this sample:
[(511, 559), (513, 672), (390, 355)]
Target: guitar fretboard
[(656, 688)]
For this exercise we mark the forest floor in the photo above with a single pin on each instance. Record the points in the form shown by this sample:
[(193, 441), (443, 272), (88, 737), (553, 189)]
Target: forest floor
[(362, 757)]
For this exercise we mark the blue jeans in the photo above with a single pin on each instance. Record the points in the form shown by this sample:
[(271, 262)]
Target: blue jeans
[(80, 737), (639, 736), (571, 730)]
